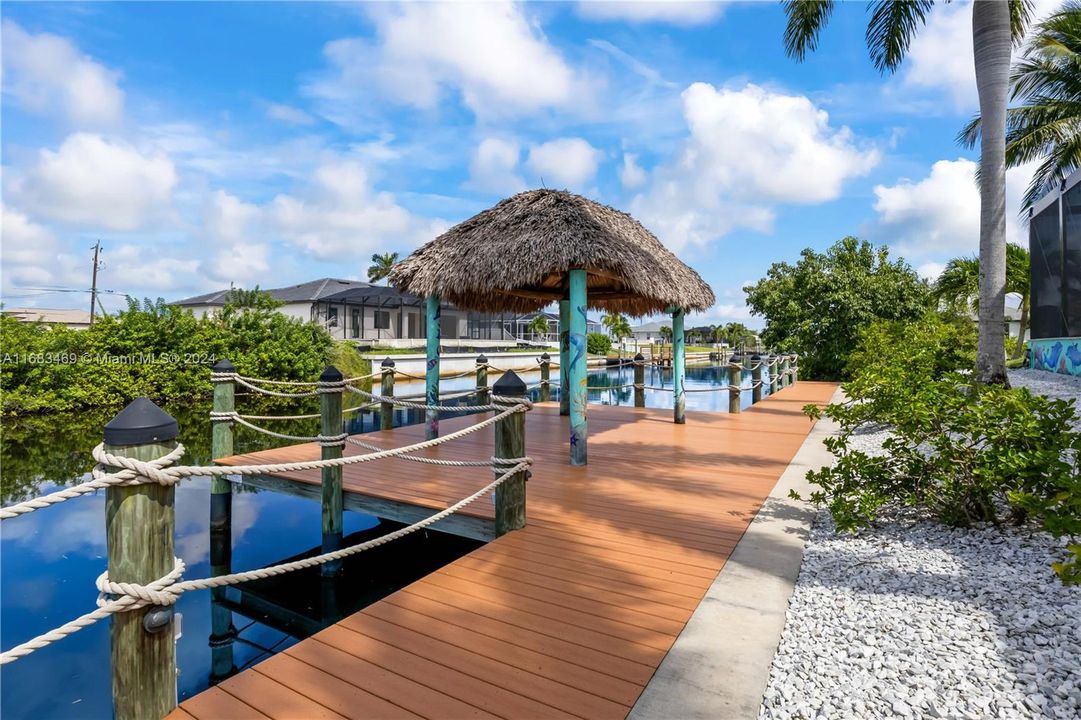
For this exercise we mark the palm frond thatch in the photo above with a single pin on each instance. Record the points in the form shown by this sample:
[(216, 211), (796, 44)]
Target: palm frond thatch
[(515, 257)]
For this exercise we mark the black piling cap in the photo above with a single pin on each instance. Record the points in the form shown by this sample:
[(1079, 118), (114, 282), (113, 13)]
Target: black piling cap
[(755, 357), (387, 363), (331, 374), (639, 357), (509, 384), (140, 423), (481, 360), (224, 366), (546, 357)]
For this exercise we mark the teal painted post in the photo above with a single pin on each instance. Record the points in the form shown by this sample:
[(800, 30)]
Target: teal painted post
[(639, 381), (431, 375), (482, 380), (735, 382), (546, 377), (577, 379), (564, 355), (757, 378), (330, 418), (679, 367)]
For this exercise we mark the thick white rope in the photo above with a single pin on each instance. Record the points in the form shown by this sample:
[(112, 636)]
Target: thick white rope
[(398, 401), (166, 590)]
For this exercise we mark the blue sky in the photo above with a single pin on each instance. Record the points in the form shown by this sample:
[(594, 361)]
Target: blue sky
[(269, 144)]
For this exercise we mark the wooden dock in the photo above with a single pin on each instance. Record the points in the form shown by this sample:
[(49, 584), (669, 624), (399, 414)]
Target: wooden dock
[(568, 617)]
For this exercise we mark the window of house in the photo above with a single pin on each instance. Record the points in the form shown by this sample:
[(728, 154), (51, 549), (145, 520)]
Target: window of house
[(382, 320), (356, 322), (332, 317)]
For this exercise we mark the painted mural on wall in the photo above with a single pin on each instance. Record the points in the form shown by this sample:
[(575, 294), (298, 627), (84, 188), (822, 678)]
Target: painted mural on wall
[(1061, 355)]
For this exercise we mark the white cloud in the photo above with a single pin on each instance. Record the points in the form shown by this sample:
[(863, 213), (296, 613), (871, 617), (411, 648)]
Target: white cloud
[(46, 74), (494, 165), (940, 213), (930, 270), (566, 161), (31, 257), (92, 181), (144, 269), (228, 226), (342, 217), (631, 174), (289, 114), (748, 150), (642, 11), (940, 58), (491, 53)]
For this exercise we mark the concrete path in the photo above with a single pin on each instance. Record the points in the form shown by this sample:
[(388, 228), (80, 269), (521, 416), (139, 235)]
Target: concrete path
[(719, 665)]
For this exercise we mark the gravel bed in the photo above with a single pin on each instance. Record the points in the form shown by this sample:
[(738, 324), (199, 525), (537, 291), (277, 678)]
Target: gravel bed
[(910, 618), (914, 619)]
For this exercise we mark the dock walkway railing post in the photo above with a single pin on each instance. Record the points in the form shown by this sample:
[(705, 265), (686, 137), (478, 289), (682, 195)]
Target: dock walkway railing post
[(757, 378), (786, 379), (510, 496), (140, 522), (639, 381), (386, 389), (222, 631), (482, 380), (774, 365), (795, 367), (221, 439), (735, 382), (331, 385), (546, 377)]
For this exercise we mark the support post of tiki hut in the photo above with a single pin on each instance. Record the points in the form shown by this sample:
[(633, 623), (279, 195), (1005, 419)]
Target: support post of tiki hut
[(679, 368), (330, 426), (386, 389), (543, 247), (564, 346), (431, 373), (579, 394), (140, 525), (546, 377)]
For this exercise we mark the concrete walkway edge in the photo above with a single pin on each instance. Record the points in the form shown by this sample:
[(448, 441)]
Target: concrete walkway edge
[(719, 665)]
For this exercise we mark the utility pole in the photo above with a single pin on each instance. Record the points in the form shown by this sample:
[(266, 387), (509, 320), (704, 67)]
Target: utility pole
[(94, 280)]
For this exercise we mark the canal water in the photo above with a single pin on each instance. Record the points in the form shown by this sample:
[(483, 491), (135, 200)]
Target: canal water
[(50, 559)]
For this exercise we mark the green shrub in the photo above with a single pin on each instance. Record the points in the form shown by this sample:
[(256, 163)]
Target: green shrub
[(962, 451), (598, 343)]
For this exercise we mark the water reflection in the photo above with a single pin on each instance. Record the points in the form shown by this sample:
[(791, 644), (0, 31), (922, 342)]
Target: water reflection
[(51, 558)]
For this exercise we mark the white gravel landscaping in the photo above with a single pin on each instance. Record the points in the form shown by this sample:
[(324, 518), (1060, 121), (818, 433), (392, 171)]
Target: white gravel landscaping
[(911, 618)]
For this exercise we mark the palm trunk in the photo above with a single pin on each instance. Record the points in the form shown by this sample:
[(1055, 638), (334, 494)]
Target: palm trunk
[(991, 49), (1022, 326)]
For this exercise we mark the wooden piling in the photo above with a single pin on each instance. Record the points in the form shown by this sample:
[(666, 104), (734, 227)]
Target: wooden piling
[(546, 377), (639, 380), (221, 441), (482, 380), (564, 357), (784, 371), (140, 523), (510, 497), (757, 376), (330, 425), (774, 374), (386, 389), (794, 369), (735, 380)]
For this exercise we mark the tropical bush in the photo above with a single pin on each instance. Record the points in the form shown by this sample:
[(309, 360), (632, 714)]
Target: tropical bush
[(598, 343), (817, 306), (962, 451), (151, 349)]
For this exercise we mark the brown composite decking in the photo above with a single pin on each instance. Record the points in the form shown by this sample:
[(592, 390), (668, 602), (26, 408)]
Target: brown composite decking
[(568, 617)]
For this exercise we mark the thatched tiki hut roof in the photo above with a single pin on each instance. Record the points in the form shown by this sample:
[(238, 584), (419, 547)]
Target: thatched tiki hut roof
[(515, 256)]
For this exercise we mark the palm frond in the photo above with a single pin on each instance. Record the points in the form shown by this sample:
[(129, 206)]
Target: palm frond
[(806, 18), (1020, 16), (890, 30)]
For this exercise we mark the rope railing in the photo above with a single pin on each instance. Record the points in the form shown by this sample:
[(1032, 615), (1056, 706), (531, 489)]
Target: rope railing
[(121, 597)]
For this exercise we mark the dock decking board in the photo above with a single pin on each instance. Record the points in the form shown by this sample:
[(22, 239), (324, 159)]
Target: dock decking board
[(568, 617)]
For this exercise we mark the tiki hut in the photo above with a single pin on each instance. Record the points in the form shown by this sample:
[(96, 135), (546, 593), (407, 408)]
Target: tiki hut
[(516, 255), (545, 246)]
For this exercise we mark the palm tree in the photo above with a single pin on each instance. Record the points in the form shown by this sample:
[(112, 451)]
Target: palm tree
[(1047, 124), (539, 325), (618, 327), (381, 266), (995, 27), (959, 286)]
